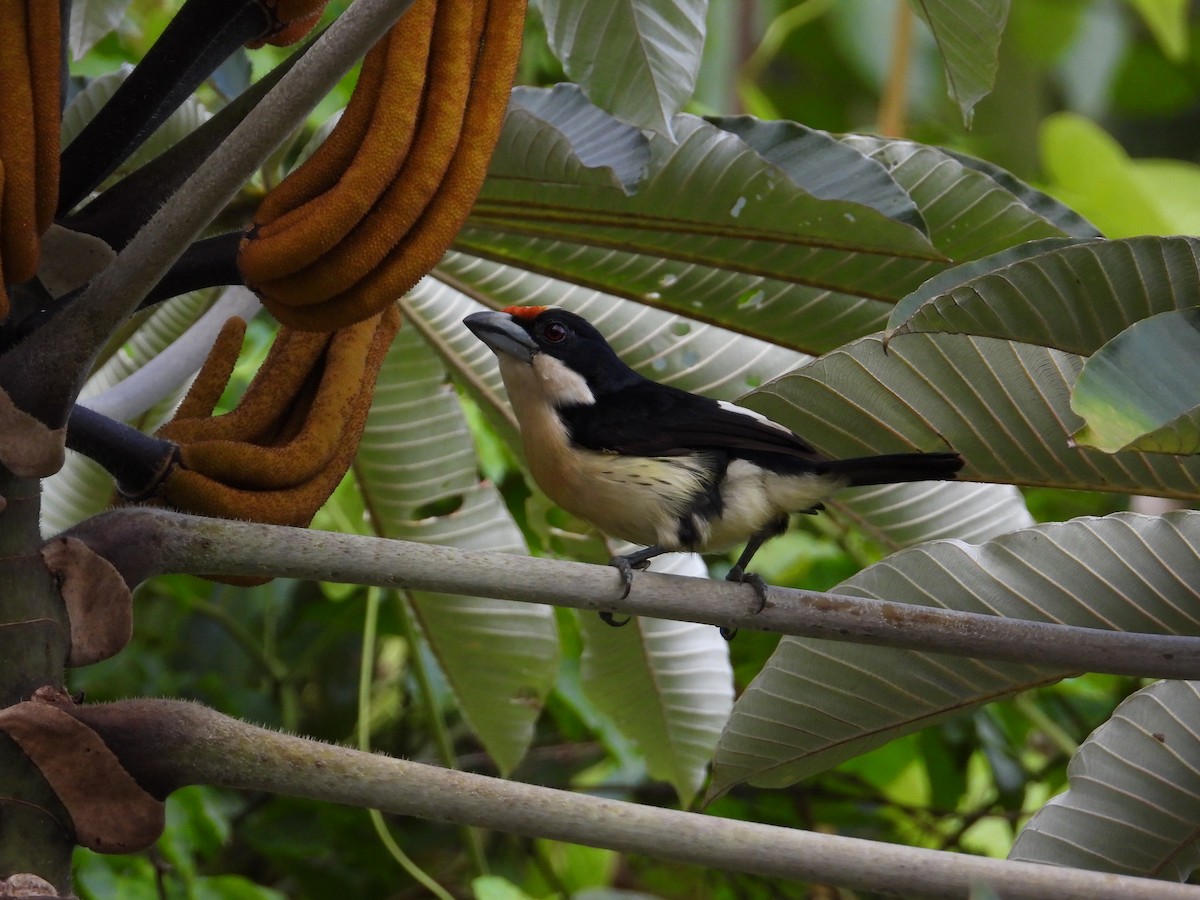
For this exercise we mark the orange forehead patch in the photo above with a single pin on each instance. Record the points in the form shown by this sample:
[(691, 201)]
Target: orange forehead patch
[(525, 312)]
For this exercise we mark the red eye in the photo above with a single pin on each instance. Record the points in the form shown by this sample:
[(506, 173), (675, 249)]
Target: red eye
[(554, 332)]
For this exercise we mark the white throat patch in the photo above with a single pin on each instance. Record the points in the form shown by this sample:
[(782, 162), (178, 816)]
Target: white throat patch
[(561, 386)]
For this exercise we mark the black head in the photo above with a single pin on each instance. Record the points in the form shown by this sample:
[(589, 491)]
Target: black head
[(570, 339)]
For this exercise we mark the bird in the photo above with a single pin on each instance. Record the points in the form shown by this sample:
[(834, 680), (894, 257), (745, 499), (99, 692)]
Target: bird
[(656, 465)]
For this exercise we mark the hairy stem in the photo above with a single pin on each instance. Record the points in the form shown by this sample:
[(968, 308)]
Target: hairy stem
[(145, 542)]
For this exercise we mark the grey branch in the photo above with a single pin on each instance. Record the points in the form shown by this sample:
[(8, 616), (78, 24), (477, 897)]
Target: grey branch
[(145, 542), (165, 744)]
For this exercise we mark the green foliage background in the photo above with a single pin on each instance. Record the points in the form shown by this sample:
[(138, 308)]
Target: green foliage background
[(1094, 102)]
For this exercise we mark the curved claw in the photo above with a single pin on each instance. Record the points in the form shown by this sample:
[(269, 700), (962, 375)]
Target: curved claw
[(737, 574), (621, 564), (607, 618)]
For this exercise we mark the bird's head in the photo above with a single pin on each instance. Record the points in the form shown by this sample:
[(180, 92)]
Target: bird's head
[(572, 362)]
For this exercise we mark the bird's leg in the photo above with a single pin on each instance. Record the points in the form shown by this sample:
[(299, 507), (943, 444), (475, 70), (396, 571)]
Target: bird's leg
[(739, 574), (625, 565)]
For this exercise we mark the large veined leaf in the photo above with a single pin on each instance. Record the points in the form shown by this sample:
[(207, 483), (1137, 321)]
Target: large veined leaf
[(967, 33), (1074, 298), (944, 282), (739, 230), (416, 470), (824, 166), (715, 232), (1048, 207), (817, 703), (615, 49), (1133, 805), (1139, 391), (900, 515), (668, 686), (598, 140), (968, 212), (1005, 407)]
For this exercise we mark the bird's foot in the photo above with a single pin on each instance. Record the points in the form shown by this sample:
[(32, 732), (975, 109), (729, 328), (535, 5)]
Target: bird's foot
[(623, 565), (738, 575)]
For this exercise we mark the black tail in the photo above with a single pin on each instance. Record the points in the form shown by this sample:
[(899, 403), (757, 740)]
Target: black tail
[(898, 467)]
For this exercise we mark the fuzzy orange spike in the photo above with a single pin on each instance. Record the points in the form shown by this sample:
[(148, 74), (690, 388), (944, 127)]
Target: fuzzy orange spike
[(525, 312)]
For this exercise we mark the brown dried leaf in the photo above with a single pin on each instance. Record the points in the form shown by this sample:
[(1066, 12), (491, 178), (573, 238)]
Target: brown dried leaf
[(28, 447), (110, 811), (99, 603)]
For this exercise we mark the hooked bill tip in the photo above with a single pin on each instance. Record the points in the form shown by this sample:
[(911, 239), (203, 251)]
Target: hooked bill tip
[(524, 312)]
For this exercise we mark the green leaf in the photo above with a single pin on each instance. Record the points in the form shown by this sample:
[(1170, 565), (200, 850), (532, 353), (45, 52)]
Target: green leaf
[(900, 515), (92, 20), (817, 703), (1090, 171), (967, 33), (1132, 804), (751, 250), (1175, 186), (1073, 298), (1046, 206), (597, 139), (969, 213), (637, 59), (1005, 407), (1139, 391), (944, 282), (493, 887), (824, 166), (417, 473), (1167, 20), (668, 686)]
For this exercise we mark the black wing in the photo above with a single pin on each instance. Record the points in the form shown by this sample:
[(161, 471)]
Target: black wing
[(651, 419)]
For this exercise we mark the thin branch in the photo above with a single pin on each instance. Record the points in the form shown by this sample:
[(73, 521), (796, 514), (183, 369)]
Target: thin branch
[(166, 744), (144, 542)]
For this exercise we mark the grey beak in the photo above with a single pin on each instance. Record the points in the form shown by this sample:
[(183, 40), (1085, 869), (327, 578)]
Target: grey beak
[(502, 334)]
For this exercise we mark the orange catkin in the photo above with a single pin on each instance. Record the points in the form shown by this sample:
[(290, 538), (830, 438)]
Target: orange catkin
[(18, 145), (420, 249), (439, 134), (297, 456), (45, 65), (300, 234)]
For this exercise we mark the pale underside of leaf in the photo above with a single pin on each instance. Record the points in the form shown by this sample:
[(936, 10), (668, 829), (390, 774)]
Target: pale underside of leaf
[(817, 703), (668, 686), (614, 49), (1005, 407), (500, 657), (1133, 805)]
